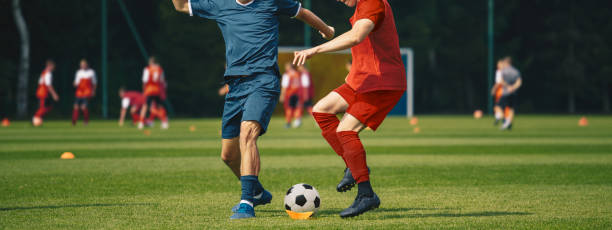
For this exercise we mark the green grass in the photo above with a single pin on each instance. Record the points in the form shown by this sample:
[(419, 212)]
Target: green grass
[(457, 173)]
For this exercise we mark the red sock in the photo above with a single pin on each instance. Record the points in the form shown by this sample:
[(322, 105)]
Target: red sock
[(40, 112), (328, 124), (135, 118), (86, 115), (355, 155), (75, 116)]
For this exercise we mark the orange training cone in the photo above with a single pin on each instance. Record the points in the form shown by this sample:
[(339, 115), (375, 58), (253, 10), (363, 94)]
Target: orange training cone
[(6, 122), (477, 114), (416, 130), (192, 128), (299, 215), (67, 156), (414, 121), (583, 122)]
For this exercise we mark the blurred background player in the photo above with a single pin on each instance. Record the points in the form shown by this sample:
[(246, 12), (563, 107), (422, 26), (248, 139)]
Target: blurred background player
[(497, 92), (307, 89), (154, 85), (132, 100), (511, 81), (85, 84), (45, 88), (291, 90), (375, 84)]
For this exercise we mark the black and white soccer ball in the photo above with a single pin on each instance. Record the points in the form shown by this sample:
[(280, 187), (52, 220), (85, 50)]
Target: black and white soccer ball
[(302, 198)]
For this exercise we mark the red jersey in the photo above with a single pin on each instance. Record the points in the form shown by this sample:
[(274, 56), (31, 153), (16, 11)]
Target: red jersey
[(132, 98), (43, 84), (291, 82), (153, 80), (84, 81), (377, 62)]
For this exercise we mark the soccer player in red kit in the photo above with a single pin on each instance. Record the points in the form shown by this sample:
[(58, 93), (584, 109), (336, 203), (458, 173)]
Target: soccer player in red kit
[(375, 83), (154, 84), (307, 89), (85, 84), (45, 88), (132, 100), (291, 90)]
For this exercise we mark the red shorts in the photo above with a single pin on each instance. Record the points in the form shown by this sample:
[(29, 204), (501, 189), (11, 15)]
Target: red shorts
[(371, 108)]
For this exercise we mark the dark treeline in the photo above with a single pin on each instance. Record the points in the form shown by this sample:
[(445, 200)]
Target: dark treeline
[(562, 48)]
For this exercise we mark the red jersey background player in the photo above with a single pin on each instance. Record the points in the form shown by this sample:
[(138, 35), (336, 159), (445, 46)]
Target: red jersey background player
[(307, 89), (291, 96), (376, 82), (85, 84), (154, 86), (132, 100), (45, 87)]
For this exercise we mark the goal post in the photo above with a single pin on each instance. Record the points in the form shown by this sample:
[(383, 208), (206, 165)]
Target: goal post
[(328, 72)]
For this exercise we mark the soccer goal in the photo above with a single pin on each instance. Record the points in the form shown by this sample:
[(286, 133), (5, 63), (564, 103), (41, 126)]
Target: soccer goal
[(329, 71)]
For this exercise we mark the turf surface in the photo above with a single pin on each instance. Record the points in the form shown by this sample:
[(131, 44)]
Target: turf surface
[(456, 173)]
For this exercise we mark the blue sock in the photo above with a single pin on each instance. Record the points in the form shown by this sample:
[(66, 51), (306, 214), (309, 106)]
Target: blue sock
[(248, 186)]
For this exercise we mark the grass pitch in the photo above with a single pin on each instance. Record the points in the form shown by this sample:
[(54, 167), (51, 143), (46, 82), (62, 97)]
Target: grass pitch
[(456, 173)]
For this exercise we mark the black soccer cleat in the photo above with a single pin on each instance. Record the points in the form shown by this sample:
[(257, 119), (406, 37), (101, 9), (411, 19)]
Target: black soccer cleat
[(362, 204), (347, 182)]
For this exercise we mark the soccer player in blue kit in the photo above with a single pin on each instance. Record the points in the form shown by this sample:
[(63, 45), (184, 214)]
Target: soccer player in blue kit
[(250, 29)]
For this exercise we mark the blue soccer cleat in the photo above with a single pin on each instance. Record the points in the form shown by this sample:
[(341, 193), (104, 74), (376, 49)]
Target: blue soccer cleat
[(266, 198), (244, 211)]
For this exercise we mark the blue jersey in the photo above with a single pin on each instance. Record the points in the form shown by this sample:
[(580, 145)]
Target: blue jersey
[(250, 31)]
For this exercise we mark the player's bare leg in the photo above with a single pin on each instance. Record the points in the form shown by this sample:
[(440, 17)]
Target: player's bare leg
[(355, 157), (230, 154), (253, 193), (499, 114), (143, 113), (509, 117)]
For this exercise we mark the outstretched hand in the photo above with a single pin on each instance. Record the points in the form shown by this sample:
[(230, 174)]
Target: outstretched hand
[(300, 57)]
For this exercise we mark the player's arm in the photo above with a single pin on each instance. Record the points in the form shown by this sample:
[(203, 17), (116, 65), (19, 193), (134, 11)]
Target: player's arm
[(122, 116), (516, 85), (314, 21), (94, 84), (181, 6), (53, 93), (361, 29)]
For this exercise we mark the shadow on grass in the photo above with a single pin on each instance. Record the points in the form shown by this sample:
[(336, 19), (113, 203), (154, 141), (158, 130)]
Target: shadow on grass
[(74, 206), (449, 215), (395, 213)]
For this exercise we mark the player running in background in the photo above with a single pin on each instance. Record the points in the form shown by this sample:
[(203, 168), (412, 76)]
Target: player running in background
[(497, 92), (291, 96), (511, 81), (307, 89), (250, 30), (376, 82), (154, 85), (85, 84), (45, 87), (132, 100)]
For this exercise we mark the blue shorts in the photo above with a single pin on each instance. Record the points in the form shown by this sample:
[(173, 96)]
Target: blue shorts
[(251, 98)]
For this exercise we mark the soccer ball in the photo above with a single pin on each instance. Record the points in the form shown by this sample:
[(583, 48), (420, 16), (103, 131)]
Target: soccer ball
[(302, 198), (37, 121)]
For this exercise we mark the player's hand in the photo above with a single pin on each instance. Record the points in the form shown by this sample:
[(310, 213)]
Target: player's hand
[(55, 98), (300, 57), (330, 34)]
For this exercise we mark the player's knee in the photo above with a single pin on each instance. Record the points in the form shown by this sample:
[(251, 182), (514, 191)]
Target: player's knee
[(322, 108), (228, 157), (249, 131)]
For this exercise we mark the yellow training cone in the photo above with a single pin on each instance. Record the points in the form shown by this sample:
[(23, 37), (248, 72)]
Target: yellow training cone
[(299, 215), (67, 156)]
